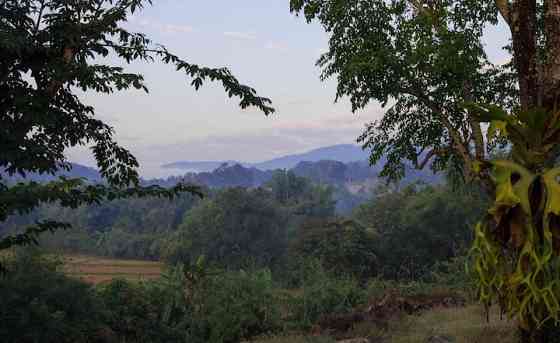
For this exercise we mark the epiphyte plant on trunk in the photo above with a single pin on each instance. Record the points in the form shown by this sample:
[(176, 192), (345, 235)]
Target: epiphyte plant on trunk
[(516, 249)]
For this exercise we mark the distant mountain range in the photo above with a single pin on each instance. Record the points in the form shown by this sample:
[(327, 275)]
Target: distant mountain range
[(339, 165), (350, 174), (344, 153)]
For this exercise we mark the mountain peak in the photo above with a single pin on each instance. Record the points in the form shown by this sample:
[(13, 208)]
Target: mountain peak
[(342, 153)]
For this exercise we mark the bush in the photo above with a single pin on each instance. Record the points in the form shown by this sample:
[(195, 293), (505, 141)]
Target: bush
[(344, 246), (38, 303), (136, 312), (234, 305), (454, 274), (377, 288), (322, 294)]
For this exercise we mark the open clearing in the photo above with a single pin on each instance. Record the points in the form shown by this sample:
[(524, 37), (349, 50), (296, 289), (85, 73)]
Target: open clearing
[(102, 269), (463, 324)]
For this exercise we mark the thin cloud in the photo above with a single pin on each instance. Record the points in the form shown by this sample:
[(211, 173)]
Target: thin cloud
[(280, 46), (172, 29), (241, 35), (168, 29)]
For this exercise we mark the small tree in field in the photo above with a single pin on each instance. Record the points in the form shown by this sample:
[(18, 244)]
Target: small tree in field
[(48, 50), (425, 60)]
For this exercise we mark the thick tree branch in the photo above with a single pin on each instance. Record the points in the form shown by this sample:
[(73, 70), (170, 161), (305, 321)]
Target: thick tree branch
[(54, 86), (457, 142), (477, 136), (504, 7), (427, 158)]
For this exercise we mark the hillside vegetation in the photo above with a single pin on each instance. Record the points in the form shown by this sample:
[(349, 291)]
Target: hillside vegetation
[(251, 263)]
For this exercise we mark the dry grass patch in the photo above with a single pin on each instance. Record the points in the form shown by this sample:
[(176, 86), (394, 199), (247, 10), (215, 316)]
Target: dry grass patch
[(296, 339), (100, 269), (466, 325)]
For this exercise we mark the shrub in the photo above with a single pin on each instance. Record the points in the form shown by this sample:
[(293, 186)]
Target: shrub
[(234, 305), (322, 294), (377, 288), (344, 246), (38, 303), (136, 312), (455, 275)]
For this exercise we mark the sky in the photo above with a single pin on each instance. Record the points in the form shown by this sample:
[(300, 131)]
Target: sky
[(266, 47)]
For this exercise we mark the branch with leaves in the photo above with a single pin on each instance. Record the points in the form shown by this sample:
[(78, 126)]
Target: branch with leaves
[(60, 44)]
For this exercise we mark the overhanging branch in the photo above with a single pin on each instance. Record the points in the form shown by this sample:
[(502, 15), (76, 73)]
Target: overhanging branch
[(458, 143)]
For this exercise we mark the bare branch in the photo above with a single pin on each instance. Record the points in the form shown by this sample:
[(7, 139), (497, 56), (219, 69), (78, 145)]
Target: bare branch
[(427, 158), (39, 18), (458, 143), (477, 136)]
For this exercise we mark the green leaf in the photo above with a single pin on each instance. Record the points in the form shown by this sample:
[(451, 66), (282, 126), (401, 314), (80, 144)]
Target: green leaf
[(497, 127)]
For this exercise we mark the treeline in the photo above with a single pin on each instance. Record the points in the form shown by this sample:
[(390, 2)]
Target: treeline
[(398, 234)]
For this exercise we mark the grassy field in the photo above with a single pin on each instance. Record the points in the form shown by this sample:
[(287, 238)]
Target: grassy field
[(463, 324), (100, 269)]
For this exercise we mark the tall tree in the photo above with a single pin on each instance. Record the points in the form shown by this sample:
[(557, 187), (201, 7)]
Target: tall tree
[(426, 62), (236, 228), (48, 50)]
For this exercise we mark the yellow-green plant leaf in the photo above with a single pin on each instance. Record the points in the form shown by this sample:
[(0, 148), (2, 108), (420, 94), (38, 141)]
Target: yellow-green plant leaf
[(508, 195), (498, 127)]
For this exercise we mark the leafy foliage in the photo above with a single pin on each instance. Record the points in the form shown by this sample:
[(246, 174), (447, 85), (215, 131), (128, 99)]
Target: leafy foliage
[(300, 195), (419, 226), (343, 246), (322, 294), (40, 304), (48, 50), (236, 228), (422, 60), (188, 304), (137, 312), (426, 59), (235, 306), (516, 246)]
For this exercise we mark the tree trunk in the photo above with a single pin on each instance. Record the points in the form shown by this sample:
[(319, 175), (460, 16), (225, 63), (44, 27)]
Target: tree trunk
[(522, 21), (551, 69)]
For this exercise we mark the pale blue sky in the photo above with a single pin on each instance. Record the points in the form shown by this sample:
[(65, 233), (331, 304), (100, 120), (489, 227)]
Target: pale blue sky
[(266, 47)]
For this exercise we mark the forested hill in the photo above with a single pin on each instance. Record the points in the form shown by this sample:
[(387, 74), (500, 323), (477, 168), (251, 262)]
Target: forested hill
[(329, 172), (353, 175)]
